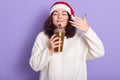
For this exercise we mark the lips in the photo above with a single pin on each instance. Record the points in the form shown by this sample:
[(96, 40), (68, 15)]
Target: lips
[(60, 21)]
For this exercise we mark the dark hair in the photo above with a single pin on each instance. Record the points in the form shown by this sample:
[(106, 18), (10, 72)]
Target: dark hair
[(49, 28)]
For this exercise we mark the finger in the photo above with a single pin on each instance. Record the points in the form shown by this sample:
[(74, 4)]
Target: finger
[(55, 39), (58, 42), (73, 18), (53, 36), (57, 45), (78, 18), (85, 15), (74, 23), (77, 25), (84, 18), (61, 43), (51, 40)]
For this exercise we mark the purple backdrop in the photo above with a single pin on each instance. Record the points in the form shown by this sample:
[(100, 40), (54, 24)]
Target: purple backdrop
[(22, 20)]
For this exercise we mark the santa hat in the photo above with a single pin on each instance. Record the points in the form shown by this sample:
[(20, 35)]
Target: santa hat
[(62, 5)]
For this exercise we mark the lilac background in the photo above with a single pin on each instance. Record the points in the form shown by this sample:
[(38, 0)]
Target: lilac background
[(22, 20)]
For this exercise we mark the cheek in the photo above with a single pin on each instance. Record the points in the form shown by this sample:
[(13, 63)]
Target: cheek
[(53, 19), (66, 20)]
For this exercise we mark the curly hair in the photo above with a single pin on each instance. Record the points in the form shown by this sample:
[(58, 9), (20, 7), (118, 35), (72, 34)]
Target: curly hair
[(49, 28)]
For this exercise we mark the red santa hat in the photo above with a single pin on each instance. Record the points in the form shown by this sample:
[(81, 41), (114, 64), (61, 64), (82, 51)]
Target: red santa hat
[(62, 5)]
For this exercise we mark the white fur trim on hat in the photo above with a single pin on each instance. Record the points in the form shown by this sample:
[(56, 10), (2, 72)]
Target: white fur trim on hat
[(62, 6)]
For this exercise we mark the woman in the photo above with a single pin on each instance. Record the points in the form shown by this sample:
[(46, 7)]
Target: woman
[(70, 64)]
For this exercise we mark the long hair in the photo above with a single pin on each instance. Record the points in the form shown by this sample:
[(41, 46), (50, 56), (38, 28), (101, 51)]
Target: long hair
[(49, 27)]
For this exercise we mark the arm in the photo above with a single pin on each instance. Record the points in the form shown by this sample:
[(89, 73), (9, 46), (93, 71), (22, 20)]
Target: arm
[(40, 56), (95, 46)]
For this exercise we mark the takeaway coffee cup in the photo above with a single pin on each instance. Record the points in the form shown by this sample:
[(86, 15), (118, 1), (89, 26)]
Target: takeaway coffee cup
[(60, 33)]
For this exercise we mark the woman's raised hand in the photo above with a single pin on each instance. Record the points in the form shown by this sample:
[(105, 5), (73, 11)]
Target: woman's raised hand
[(80, 23)]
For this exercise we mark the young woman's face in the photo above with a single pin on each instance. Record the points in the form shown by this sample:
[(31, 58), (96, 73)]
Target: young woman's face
[(60, 16)]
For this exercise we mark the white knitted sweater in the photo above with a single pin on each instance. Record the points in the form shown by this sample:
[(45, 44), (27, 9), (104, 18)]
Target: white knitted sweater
[(69, 64)]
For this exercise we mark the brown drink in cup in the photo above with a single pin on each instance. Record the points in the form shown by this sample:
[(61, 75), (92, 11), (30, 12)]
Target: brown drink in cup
[(59, 32)]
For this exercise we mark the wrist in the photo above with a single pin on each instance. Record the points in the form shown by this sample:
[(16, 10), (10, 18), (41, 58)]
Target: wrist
[(50, 50), (86, 29)]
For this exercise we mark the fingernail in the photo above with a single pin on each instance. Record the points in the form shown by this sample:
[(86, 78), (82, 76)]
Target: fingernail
[(85, 14)]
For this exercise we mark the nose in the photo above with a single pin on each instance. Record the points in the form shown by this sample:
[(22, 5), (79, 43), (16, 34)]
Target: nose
[(59, 16)]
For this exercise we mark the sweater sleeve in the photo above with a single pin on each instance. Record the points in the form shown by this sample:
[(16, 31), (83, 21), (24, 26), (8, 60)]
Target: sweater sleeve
[(95, 45), (40, 56)]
